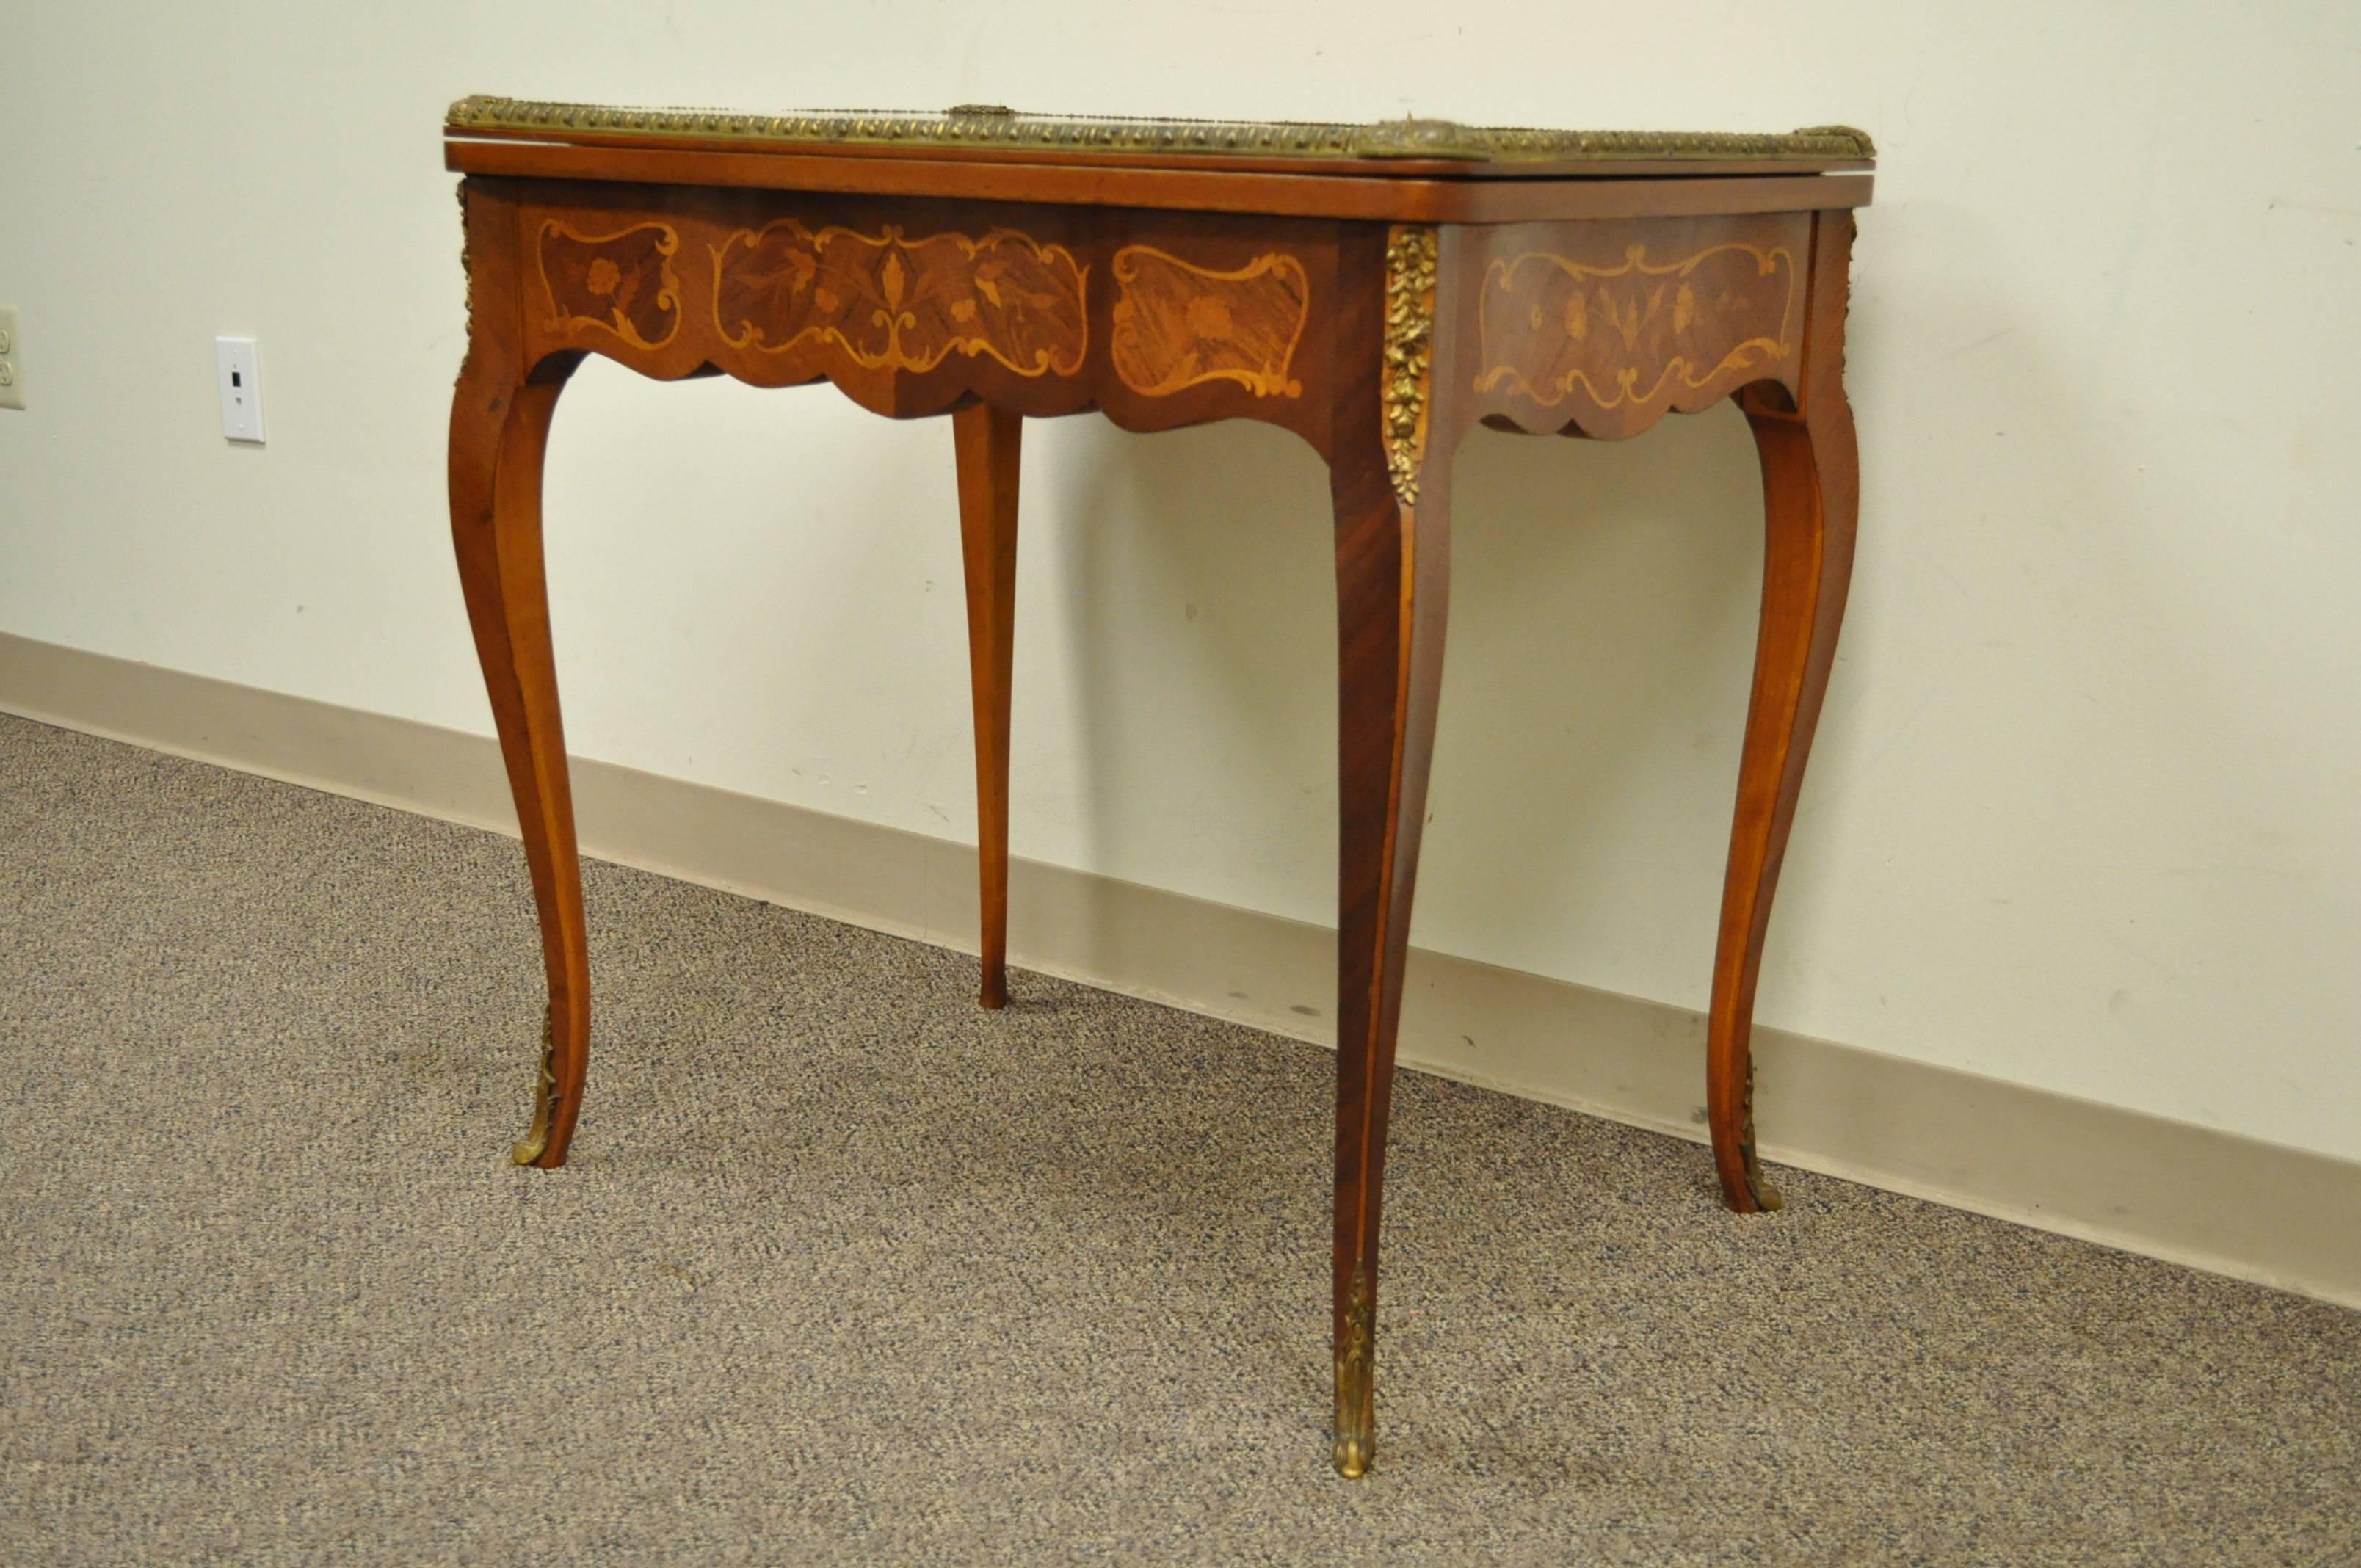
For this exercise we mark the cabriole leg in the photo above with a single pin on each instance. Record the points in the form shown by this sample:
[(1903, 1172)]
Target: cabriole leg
[(1811, 498), (499, 426)]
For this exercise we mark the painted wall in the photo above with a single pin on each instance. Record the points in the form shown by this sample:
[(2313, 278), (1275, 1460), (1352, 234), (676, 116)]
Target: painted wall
[(2082, 811)]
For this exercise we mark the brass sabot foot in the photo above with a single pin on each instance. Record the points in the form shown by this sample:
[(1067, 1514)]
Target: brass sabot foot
[(1766, 1197), (1357, 1413), (544, 1099), (1758, 1186), (1357, 1435)]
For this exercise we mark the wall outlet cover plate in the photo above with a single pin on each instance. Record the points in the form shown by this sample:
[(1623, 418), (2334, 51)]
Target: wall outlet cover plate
[(238, 369)]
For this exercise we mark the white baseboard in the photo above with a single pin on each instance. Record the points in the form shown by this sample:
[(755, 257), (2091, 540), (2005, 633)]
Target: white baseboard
[(2214, 1201)]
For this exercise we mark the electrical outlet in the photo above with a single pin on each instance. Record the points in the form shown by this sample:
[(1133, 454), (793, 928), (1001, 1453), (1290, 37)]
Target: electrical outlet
[(239, 372), (12, 360)]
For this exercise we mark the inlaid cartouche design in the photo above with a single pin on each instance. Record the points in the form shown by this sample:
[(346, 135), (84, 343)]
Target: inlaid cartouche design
[(1176, 324), (1638, 332), (896, 303), (623, 281)]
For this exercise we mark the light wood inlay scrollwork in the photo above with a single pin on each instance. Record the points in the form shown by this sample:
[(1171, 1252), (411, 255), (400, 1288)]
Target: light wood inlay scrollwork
[(1633, 333), (622, 283), (895, 303)]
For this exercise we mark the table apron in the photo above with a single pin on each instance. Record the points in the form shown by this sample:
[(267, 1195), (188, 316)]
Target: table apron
[(914, 305)]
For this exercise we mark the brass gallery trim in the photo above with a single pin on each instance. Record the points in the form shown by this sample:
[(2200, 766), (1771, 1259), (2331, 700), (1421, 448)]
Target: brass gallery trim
[(894, 356), (1410, 337), (669, 284), (1268, 382), (1499, 273), (990, 125)]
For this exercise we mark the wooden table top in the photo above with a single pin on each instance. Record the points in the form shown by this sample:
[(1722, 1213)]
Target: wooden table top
[(1395, 150)]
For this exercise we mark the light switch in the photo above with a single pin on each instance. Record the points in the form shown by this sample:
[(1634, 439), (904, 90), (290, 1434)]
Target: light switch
[(240, 372)]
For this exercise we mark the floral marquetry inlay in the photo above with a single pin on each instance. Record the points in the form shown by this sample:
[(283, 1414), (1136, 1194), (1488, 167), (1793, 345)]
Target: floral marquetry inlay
[(623, 281), (895, 303), (1176, 324), (1639, 332)]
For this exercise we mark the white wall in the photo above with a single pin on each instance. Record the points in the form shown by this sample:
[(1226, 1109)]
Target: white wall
[(2081, 815)]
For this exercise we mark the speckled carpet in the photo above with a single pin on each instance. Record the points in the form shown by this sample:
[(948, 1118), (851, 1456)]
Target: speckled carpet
[(846, 1269)]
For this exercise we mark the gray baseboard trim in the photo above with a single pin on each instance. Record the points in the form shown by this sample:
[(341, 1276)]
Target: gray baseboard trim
[(2214, 1201)]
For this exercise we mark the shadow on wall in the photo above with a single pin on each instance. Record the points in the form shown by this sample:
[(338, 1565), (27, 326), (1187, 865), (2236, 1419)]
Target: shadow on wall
[(1603, 610)]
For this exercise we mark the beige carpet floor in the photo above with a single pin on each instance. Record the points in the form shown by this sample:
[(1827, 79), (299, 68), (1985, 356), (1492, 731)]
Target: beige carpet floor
[(844, 1269)]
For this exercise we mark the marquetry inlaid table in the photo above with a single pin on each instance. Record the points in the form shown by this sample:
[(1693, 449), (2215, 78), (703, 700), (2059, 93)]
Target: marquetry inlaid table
[(1377, 290)]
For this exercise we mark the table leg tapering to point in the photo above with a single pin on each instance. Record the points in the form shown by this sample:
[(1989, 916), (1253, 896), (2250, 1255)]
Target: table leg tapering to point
[(988, 442), (1392, 581)]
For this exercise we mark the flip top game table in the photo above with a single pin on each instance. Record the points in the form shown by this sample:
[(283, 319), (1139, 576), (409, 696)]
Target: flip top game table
[(1377, 289)]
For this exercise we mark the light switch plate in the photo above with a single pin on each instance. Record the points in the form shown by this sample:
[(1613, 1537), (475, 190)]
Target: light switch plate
[(12, 360), (240, 371)]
